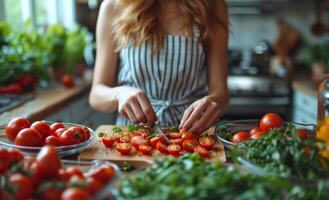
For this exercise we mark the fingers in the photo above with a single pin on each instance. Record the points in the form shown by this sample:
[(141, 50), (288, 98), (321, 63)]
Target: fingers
[(196, 114), (207, 119), (147, 109), (186, 115), (129, 114), (138, 112)]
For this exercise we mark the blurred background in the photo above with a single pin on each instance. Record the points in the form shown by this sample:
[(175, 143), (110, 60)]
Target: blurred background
[(278, 53)]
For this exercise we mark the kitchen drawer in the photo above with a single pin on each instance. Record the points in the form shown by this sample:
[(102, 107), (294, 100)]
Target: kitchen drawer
[(306, 102), (302, 117)]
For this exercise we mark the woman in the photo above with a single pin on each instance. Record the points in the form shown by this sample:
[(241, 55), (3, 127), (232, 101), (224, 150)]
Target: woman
[(162, 60)]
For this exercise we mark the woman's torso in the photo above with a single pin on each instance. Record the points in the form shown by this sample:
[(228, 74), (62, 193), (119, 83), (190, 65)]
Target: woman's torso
[(172, 78)]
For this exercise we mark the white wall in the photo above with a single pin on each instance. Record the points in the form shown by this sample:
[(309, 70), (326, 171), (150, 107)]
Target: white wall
[(248, 30)]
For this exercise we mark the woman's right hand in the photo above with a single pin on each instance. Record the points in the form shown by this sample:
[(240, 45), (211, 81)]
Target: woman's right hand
[(135, 106)]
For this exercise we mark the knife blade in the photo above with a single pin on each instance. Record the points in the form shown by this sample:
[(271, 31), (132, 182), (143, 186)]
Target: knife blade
[(158, 130)]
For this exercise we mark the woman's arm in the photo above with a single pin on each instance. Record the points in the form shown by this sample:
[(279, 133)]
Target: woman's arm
[(105, 96), (206, 111)]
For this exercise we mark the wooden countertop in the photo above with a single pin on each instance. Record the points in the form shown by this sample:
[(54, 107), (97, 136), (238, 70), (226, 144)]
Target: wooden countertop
[(46, 101)]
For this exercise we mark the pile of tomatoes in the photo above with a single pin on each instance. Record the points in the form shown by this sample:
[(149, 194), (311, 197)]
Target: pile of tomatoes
[(268, 121), (143, 141), (43, 177), (21, 132)]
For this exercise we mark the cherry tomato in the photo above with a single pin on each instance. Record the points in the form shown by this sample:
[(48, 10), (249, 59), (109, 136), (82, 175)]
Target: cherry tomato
[(50, 194), (140, 133), (80, 131), (14, 126), (175, 135), (137, 140), (56, 126), (48, 162), (67, 81), (240, 137), (257, 134), (270, 120), (75, 194), (14, 156), (161, 147), (70, 137), (154, 141), (178, 141), (29, 137), (202, 151), (108, 141), (207, 142), (174, 149), (145, 149), (4, 160), (24, 186), (59, 132), (189, 145), (93, 185), (254, 130), (42, 127), (189, 136), (103, 173), (303, 134), (87, 132), (52, 140), (124, 139), (73, 171), (123, 148)]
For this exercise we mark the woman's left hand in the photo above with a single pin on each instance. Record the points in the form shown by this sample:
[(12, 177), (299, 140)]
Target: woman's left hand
[(200, 115)]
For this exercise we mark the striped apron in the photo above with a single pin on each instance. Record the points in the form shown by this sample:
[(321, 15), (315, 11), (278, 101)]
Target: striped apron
[(172, 78)]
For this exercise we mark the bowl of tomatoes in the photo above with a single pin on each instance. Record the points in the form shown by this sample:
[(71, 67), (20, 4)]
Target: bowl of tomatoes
[(237, 131), (68, 138)]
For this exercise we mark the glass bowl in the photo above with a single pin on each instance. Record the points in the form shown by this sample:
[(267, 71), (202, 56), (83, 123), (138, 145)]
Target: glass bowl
[(61, 150), (226, 129)]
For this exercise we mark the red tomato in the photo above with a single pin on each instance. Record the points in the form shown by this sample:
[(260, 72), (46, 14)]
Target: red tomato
[(207, 142), (13, 88), (67, 81), (14, 156), (4, 160), (14, 126), (175, 135), (270, 120), (303, 134), (137, 140), (254, 130), (145, 149), (29, 137), (124, 139), (178, 141), (74, 171), (75, 194), (93, 185), (123, 148), (103, 173), (79, 130), (258, 134), (50, 194), (52, 140), (108, 141), (24, 186), (140, 133), (161, 147), (70, 137), (174, 149), (189, 145), (48, 162), (189, 136), (159, 138), (59, 132), (202, 151), (87, 132), (240, 137), (42, 127), (56, 126)]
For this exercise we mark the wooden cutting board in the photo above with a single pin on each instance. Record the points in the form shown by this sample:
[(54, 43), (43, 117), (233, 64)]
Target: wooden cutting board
[(97, 151)]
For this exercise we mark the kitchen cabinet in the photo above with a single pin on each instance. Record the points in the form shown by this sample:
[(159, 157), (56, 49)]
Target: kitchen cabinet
[(304, 107)]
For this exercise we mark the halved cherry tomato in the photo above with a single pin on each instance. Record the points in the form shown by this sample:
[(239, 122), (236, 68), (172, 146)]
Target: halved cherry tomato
[(42, 127), (258, 134), (145, 149), (303, 134), (159, 138), (140, 133), (202, 151), (56, 126), (52, 140), (254, 130), (108, 141), (48, 162), (4, 163), (70, 137), (14, 126), (270, 120), (29, 137), (240, 137), (124, 139), (178, 141), (75, 194), (103, 173), (207, 142), (59, 132), (174, 149), (23, 184), (161, 147), (189, 136), (175, 135), (123, 148), (189, 145), (137, 140)]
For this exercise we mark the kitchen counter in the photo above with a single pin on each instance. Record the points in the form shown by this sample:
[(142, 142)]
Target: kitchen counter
[(302, 82), (47, 101)]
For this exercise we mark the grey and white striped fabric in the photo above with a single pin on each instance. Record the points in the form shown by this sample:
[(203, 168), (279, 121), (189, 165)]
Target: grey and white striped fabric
[(172, 78)]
